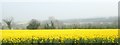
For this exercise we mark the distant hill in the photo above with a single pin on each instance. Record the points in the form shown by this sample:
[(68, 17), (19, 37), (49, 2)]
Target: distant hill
[(108, 19)]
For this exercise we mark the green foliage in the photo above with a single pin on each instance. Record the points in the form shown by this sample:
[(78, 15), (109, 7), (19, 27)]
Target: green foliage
[(66, 41), (34, 24)]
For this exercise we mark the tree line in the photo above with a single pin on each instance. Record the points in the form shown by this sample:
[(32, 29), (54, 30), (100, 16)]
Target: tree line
[(35, 24)]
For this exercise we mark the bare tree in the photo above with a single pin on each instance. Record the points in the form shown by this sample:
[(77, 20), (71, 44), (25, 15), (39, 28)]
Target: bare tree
[(8, 21), (53, 23)]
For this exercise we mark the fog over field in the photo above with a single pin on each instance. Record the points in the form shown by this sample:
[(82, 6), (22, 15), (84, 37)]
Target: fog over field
[(24, 10)]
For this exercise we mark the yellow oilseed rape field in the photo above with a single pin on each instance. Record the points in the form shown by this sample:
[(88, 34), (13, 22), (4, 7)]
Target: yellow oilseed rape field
[(60, 36)]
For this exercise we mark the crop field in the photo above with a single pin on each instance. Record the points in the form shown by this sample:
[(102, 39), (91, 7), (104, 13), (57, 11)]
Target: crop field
[(60, 36)]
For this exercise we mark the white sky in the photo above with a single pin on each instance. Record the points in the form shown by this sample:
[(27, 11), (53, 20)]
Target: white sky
[(24, 10)]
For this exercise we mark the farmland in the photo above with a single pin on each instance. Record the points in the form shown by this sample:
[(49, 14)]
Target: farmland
[(60, 36)]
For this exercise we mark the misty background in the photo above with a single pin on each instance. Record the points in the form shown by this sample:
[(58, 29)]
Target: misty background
[(24, 10), (59, 14)]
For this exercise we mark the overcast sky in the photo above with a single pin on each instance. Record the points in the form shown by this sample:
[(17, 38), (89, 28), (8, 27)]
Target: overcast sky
[(24, 10)]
